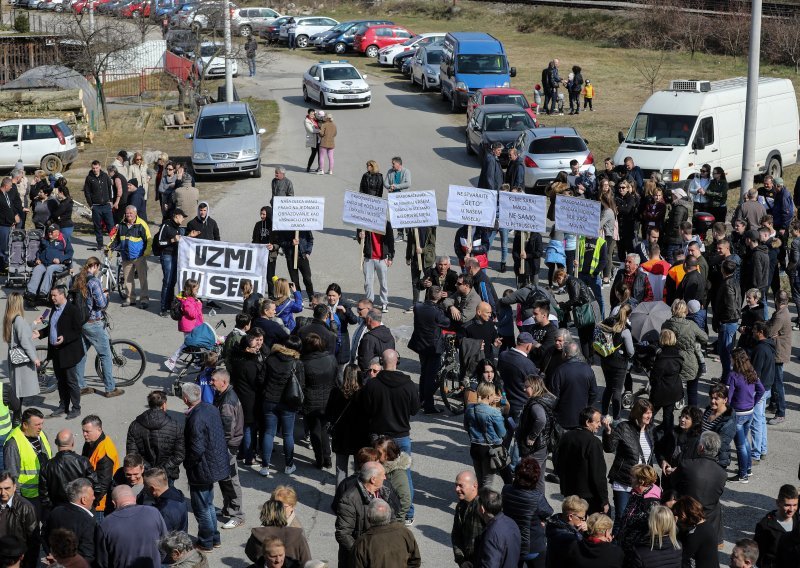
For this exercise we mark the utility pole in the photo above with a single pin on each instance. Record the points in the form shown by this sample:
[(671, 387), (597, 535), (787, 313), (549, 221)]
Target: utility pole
[(90, 5), (228, 51), (751, 106)]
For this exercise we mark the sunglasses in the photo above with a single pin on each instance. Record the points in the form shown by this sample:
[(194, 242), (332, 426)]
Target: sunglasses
[(703, 171)]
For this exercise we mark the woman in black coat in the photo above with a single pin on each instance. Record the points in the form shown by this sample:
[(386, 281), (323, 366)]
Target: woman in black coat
[(660, 549), (627, 201), (320, 372), (678, 443), (529, 509), (247, 379), (597, 548), (666, 387), (348, 424), (697, 537), (372, 180), (342, 317)]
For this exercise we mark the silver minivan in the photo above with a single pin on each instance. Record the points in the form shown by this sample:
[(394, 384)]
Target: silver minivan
[(226, 140)]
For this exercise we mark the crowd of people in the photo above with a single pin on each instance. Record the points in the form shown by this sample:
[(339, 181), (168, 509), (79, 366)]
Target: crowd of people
[(530, 393)]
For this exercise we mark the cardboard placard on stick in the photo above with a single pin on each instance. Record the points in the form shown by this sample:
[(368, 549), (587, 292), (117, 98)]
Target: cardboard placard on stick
[(298, 213), (523, 212), (471, 206), (364, 211), (408, 209), (577, 215)]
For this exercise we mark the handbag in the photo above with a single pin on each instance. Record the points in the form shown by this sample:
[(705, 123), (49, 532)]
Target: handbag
[(18, 356), (293, 396), (498, 457), (331, 426), (584, 315)]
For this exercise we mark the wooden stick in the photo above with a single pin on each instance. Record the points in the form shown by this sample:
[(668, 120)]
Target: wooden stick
[(363, 239), (469, 239), (297, 247), (418, 246), (522, 248)]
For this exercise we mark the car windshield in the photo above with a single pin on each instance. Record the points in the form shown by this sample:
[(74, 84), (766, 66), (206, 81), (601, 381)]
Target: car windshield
[(481, 64), (434, 57), (211, 50), (339, 74), (411, 40), (340, 27), (224, 126), (558, 145), (661, 129), (507, 121), (518, 100)]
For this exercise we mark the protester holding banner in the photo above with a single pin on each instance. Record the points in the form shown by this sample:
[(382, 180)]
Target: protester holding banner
[(425, 250), (303, 244), (263, 235), (378, 254), (203, 226), (478, 248), (397, 178), (530, 256)]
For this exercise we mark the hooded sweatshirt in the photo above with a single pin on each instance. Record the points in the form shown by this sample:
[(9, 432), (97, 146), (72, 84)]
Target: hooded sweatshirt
[(389, 401), (207, 227), (52, 249), (172, 506), (373, 344)]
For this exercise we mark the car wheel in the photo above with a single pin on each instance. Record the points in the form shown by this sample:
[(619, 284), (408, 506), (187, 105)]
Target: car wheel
[(774, 167), (322, 100), (52, 164), (305, 95), (136, 14), (301, 41), (470, 150), (340, 48), (371, 51), (453, 103), (257, 171), (59, 8), (245, 31)]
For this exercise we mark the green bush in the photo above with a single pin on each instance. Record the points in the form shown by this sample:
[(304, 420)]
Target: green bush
[(22, 24)]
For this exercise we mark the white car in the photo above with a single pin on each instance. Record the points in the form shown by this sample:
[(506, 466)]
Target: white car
[(387, 54), (425, 65), (46, 143), (306, 27), (336, 83), (211, 62)]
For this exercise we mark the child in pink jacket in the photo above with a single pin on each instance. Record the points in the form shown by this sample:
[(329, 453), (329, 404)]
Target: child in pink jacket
[(192, 307)]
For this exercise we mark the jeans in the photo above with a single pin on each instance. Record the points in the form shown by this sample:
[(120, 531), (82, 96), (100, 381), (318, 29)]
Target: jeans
[(67, 232), (251, 66), (101, 214), (291, 40), (42, 278), (503, 243), (247, 450), (273, 413), (429, 366), (594, 283), (95, 335), (371, 268), (727, 335), (621, 499), (743, 422), (202, 499), (778, 392), (169, 269), (759, 444), (405, 446)]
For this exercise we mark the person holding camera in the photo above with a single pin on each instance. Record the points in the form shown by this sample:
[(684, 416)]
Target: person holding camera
[(288, 301)]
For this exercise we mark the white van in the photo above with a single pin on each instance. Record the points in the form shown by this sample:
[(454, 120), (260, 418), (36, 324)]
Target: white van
[(702, 122)]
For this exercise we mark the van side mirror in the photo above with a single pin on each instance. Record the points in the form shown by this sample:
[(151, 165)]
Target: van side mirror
[(620, 137), (699, 143), (513, 72), (188, 136)]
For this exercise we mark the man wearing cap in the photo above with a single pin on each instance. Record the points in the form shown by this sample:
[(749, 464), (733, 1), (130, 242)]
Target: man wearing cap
[(429, 320), (755, 265), (678, 214), (166, 243), (136, 197), (54, 252)]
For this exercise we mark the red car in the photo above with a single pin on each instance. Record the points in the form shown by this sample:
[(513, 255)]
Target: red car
[(374, 38), (83, 4), (500, 96), (137, 9)]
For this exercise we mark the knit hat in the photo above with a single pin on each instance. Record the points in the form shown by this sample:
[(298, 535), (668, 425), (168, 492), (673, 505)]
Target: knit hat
[(694, 306), (134, 182)]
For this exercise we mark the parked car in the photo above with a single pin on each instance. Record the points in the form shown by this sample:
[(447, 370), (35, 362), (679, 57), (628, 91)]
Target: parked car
[(336, 83), (82, 5), (110, 8), (269, 32), (45, 143), (183, 15), (403, 62), (340, 38), (182, 42), (210, 16), (54, 5), (165, 8), (246, 20), (373, 38), (387, 54), (226, 140), (211, 62), (306, 27), (425, 67), (499, 96), (547, 151), (496, 123), (136, 9)]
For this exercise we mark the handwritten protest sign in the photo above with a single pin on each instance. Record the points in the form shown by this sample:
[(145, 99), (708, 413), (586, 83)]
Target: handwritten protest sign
[(576, 215), (364, 211), (298, 213), (409, 209), (219, 267), (523, 212), (471, 206)]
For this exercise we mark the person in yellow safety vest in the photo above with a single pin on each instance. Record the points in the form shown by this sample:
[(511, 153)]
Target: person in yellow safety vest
[(102, 454), (591, 260), (5, 426), (25, 452)]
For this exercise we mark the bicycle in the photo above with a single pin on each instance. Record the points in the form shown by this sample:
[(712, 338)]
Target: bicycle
[(111, 276), (128, 357), (451, 388)]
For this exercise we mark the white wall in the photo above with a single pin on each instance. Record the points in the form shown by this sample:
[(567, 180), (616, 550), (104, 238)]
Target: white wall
[(148, 57)]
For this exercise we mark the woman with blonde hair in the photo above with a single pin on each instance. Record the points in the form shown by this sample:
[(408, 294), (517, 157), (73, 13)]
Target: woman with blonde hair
[(139, 170), (645, 494), (192, 312), (609, 229), (288, 497), (597, 547), (372, 180), (288, 301), (274, 524), (486, 428), (687, 335), (18, 334), (615, 365), (663, 549)]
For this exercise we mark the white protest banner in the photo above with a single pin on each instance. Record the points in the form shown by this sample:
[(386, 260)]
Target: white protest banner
[(364, 211), (471, 206), (298, 213), (219, 267), (577, 215), (409, 209), (523, 212)]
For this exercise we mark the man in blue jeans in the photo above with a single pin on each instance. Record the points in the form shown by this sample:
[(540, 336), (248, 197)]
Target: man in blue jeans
[(207, 461), (166, 244), (98, 190), (727, 306), (779, 328)]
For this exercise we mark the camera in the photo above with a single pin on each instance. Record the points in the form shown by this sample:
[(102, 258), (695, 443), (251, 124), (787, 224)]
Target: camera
[(177, 389)]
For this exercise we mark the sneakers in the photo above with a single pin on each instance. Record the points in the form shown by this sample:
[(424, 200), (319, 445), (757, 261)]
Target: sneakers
[(776, 420), (116, 392), (73, 414), (290, 469), (409, 522), (263, 472), (320, 173), (233, 523), (385, 309)]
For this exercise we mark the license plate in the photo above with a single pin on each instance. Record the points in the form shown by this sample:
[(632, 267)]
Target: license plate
[(351, 96), (225, 165)]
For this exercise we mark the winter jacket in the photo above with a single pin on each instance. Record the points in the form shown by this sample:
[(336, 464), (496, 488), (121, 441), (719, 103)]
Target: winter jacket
[(56, 472), (728, 302), (725, 426), (590, 553), (387, 545), (327, 134), (207, 459), (762, 357), (274, 330), (62, 213), (208, 227), (280, 365), (288, 307), (499, 545), (348, 422), (158, 438), (282, 188), (386, 240), (515, 174), (484, 424), (371, 184), (678, 213), (782, 209), (293, 539), (320, 370), (750, 315), (514, 366), (97, 189), (429, 320), (575, 386), (641, 290), (742, 397), (312, 132), (373, 344), (391, 179), (755, 269), (230, 411), (665, 556), (103, 456), (166, 237), (665, 378), (704, 480), (767, 535), (389, 401), (480, 245), (688, 335), (529, 509), (132, 241), (623, 442), (779, 327), (675, 445), (554, 252), (397, 474), (192, 314), (247, 378), (560, 536), (172, 506), (536, 425), (581, 467), (633, 528), (491, 176), (24, 526)]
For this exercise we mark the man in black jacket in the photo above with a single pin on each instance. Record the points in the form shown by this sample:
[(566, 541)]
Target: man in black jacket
[(693, 284), (755, 266), (377, 340), (61, 469), (319, 325), (634, 280), (232, 414), (727, 311), (74, 516), (98, 190), (440, 275), (10, 214), (203, 226), (776, 524), (543, 332), (166, 241), (580, 464), (575, 386), (19, 519), (426, 341), (515, 172), (678, 214), (157, 437)]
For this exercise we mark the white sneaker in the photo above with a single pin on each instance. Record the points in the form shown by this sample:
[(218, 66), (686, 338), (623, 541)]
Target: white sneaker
[(264, 471), (170, 364), (289, 470), (320, 173), (233, 523)]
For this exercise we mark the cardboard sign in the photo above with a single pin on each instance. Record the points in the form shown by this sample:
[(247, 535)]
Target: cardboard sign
[(408, 209), (471, 206), (298, 213), (523, 212), (364, 211), (578, 216), (219, 267)]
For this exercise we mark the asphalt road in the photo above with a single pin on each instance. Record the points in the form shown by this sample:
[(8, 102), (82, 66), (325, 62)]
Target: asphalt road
[(431, 141)]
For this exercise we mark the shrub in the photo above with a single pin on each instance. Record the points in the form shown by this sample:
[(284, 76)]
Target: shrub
[(22, 24)]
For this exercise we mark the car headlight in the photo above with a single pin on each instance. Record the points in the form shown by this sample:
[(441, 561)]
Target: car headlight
[(506, 84), (430, 70), (325, 89), (248, 153), (461, 86), (200, 156)]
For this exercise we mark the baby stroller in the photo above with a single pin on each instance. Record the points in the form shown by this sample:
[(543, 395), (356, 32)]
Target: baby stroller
[(18, 270)]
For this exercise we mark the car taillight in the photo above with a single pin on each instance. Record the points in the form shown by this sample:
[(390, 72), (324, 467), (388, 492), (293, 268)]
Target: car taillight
[(529, 163), (589, 160), (59, 134)]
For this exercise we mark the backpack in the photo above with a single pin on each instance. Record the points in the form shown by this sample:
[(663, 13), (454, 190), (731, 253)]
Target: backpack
[(176, 309), (603, 341), (157, 248), (77, 299)]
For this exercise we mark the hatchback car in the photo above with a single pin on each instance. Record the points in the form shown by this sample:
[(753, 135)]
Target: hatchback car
[(226, 140), (136, 9), (270, 32), (336, 83), (211, 62), (387, 54), (425, 67), (182, 42), (306, 27), (498, 96), (340, 38), (547, 151), (246, 20), (373, 38), (496, 123), (46, 143)]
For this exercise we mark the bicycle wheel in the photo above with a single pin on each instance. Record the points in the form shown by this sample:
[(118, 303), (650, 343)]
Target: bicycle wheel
[(123, 293), (129, 362), (47, 379)]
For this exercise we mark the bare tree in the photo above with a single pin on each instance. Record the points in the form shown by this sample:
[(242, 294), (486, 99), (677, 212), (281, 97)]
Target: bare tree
[(693, 27), (733, 35), (650, 59), (143, 25), (783, 40)]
